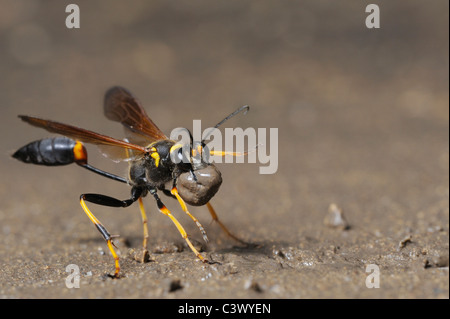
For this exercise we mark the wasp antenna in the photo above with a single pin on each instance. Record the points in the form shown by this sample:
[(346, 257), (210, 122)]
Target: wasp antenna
[(256, 147), (244, 108), (224, 153)]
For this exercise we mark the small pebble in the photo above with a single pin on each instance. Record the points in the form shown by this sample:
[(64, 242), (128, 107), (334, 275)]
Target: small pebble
[(404, 242), (335, 218)]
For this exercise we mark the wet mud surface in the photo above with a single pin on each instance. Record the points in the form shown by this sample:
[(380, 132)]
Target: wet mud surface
[(362, 118)]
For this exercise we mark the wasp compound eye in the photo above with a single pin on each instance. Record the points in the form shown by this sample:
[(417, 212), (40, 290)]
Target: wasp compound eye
[(199, 189), (183, 155)]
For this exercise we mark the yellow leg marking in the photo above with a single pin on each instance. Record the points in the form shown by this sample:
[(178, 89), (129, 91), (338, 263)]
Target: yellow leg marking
[(105, 235), (88, 212), (174, 192), (216, 219), (145, 254), (116, 258), (224, 153), (183, 233)]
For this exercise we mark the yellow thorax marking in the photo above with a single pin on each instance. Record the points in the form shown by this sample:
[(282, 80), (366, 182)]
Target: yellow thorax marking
[(155, 156), (175, 147)]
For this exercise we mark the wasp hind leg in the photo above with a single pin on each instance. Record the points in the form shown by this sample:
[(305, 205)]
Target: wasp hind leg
[(112, 202)]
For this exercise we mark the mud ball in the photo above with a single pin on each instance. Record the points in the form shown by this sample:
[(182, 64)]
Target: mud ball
[(199, 190)]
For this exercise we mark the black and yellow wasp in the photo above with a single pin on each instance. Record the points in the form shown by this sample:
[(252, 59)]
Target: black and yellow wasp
[(155, 163)]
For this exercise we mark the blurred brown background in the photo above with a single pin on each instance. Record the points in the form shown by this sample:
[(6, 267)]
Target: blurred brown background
[(362, 116)]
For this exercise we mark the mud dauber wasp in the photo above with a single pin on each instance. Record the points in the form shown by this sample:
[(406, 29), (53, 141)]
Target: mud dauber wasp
[(151, 166)]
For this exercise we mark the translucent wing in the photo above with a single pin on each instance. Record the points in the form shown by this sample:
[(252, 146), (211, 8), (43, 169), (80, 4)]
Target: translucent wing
[(122, 107), (111, 147)]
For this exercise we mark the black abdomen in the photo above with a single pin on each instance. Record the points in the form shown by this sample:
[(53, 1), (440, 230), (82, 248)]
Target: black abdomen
[(50, 151)]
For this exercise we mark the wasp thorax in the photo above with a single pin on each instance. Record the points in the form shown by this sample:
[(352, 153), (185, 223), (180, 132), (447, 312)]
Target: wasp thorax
[(198, 187)]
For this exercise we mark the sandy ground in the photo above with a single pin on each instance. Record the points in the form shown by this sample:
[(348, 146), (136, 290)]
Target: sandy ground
[(362, 118)]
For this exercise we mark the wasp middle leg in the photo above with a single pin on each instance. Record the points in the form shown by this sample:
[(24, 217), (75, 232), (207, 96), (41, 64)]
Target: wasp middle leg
[(224, 228)]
